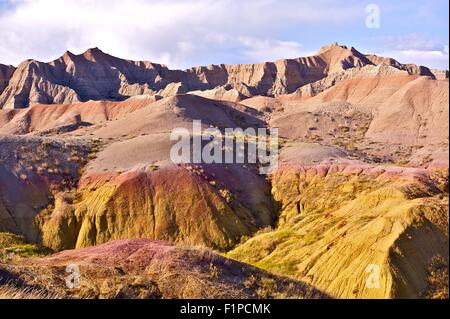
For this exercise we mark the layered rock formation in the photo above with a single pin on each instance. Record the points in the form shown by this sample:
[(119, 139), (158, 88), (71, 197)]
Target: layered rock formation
[(6, 72), (128, 188), (143, 203), (95, 75), (66, 117), (362, 180), (335, 227), (382, 112), (410, 68), (32, 170)]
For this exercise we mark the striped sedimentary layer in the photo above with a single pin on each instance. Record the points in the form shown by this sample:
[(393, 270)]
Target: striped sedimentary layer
[(342, 226), (180, 204)]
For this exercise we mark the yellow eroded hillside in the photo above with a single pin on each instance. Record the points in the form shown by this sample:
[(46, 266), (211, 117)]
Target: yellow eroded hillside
[(146, 204), (354, 235)]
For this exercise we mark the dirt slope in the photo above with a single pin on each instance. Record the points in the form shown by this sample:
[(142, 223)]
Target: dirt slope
[(142, 268), (95, 75), (337, 221), (362, 183)]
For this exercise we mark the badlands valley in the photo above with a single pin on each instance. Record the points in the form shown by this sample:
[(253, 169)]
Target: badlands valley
[(357, 208)]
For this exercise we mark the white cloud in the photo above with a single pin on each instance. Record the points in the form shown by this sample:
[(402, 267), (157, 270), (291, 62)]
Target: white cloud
[(261, 50), (413, 41), (178, 33), (416, 48), (183, 33)]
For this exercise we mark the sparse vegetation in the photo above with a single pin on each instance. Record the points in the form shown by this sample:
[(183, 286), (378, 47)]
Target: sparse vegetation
[(14, 246), (10, 291), (437, 279)]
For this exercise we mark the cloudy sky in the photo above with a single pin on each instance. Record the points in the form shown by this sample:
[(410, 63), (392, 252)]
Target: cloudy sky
[(183, 33)]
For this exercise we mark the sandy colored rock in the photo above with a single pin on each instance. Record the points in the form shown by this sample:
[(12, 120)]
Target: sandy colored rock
[(335, 226), (222, 93), (95, 75), (362, 177), (45, 119), (6, 72)]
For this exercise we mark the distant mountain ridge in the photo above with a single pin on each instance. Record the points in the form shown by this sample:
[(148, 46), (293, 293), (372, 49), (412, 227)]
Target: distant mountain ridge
[(362, 178), (95, 75)]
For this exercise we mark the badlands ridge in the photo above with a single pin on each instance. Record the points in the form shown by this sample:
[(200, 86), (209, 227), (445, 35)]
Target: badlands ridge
[(362, 183)]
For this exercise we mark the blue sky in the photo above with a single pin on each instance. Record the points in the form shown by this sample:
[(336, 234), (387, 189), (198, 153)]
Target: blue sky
[(183, 33)]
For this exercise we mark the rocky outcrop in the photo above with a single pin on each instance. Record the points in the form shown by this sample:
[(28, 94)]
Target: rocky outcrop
[(72, 78), (412, 69), (358, 207), (312, 89), (341, 227), (95, 75), (34, 82), (440, 74), (31, 171), (198, 209), (374, 107), (6, 72), (67, 117), (222, 93)]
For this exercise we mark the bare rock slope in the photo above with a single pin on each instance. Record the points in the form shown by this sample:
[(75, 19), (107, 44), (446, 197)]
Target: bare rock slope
[(95, 75), (6, 72), (362, 178), (341, 224)]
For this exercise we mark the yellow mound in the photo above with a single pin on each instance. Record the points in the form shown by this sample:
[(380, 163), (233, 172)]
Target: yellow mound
[(353, 236)]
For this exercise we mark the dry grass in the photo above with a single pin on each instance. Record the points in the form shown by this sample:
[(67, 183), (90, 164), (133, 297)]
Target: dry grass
[(437, 279), (13, 247), (9, 291), (184, 272)]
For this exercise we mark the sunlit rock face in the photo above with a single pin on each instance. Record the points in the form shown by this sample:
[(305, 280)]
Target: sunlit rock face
[(357, 208)]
